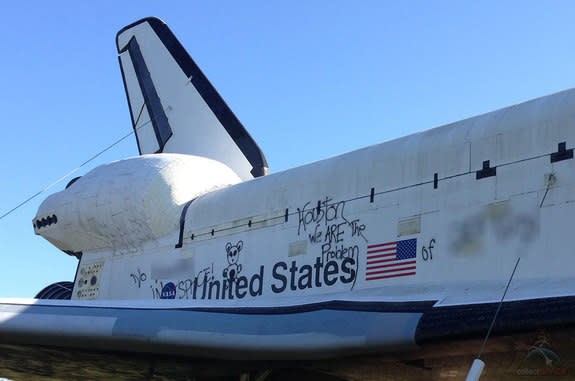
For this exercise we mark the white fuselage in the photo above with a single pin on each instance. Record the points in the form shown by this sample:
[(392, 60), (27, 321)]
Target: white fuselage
[(439, 215)]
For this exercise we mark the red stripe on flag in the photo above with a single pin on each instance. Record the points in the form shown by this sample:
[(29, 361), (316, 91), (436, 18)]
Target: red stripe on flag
[(380, 250), (370, 257), (390, 271), (381, 245), (390, 265), (380, 261), (389, 276)]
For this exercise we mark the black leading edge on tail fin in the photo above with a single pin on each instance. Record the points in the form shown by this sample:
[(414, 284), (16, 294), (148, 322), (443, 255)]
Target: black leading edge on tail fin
[(173, 106)]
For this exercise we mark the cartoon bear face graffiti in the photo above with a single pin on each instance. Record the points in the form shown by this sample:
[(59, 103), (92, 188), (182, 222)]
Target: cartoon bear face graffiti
[(233, 254)]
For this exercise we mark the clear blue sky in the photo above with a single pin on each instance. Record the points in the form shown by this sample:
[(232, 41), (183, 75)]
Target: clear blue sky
[(308, 79)]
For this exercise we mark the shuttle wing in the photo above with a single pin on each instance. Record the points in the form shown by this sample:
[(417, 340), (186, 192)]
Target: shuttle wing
[(126, 340), (161, 279), (174, 108)]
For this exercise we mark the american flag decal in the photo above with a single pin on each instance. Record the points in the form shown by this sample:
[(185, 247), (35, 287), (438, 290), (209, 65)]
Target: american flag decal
[(391, 259)]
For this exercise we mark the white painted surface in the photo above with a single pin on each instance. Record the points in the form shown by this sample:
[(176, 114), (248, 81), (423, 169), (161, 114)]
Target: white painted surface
[(469, 235), (196, 130), (119, 206)]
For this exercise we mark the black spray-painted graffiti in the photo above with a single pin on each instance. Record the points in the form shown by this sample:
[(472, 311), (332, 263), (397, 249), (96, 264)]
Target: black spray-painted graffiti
[(285, 277), (210, 288), (326, 224), (427, 251), (324, 213), (233, 255), (139, 277), (203, 277), (185, 288), (237, 284)]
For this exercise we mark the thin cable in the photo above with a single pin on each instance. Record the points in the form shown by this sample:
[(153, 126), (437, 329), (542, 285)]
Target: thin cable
[(550, 182), (78, 167), (498, 308), (65, 176)]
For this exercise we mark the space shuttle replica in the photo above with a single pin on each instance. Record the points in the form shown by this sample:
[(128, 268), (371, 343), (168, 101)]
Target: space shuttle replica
[(194, 248)]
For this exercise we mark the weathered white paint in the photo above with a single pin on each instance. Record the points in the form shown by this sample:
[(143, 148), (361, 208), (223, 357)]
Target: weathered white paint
[(478, 227), (119, 206), (195, 127)]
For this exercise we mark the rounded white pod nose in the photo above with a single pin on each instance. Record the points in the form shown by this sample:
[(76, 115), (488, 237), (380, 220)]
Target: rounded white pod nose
[(124, 203)]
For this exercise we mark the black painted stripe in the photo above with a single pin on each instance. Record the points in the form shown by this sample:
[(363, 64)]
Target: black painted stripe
[(183, 223), (335, 305), (158, 117), (473, 320), (436, 323), (129, 104)]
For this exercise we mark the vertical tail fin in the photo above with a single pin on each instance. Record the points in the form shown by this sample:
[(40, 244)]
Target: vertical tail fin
[(174, 108)]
